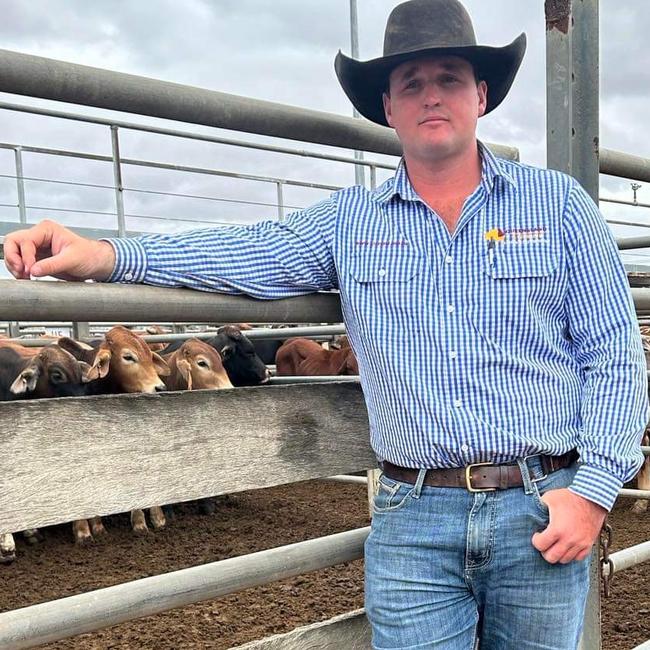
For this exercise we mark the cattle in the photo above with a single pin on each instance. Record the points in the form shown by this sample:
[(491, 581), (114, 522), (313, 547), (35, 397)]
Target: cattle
[(238, 355), (300, 356), (34, 373), (124, 364), (194, 366)]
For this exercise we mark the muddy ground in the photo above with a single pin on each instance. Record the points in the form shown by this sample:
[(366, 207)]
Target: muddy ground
[(244, 523)]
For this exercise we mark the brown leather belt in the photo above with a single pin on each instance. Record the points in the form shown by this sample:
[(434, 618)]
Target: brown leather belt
[(479, 477)]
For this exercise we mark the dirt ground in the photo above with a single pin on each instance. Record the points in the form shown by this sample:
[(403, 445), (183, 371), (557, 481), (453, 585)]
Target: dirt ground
[(243, 523)]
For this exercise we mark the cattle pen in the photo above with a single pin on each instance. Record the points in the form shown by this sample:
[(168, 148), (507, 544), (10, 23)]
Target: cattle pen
[(310, 430)]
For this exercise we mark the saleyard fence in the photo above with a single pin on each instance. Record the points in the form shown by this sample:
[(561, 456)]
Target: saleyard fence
[(259, 436)]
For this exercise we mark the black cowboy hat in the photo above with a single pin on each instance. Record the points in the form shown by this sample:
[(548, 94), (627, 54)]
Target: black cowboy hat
[(420, 27)]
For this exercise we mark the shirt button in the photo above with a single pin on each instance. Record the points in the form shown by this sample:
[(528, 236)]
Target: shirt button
[(382, 272), (453, 354), (457, 403), (450, 309), (128, 276), (464, 448), (449, 259)]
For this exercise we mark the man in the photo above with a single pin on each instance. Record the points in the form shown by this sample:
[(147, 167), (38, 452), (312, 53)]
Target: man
[(495, 333)]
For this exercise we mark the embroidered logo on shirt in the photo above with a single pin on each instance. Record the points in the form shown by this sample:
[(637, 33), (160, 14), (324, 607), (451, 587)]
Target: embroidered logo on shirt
[(494, 235), (370, 242), (515, 235)]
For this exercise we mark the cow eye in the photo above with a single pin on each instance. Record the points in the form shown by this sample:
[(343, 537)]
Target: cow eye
[(129, 358), (57, 377), (202, 363)]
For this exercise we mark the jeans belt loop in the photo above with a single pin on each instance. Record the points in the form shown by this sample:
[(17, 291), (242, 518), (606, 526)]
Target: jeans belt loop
[(525, 475), (419, 482)]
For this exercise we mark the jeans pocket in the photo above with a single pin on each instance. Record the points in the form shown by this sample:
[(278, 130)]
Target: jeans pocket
[(561, 478), (391, 495)]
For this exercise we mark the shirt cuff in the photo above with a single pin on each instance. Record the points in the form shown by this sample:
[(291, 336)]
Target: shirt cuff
[(597, 485), (130, 260)]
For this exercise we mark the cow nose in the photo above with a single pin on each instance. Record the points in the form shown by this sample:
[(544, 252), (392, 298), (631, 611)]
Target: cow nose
[(160, 388)]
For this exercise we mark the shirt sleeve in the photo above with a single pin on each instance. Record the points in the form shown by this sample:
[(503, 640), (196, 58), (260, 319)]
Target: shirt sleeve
[(605, 333), (267, 260)]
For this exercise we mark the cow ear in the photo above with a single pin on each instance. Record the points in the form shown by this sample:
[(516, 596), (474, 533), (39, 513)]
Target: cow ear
[(226, 351), (70, 345), (26, 380), (102, 363), (161, 365), (185, 368), (88, 373)]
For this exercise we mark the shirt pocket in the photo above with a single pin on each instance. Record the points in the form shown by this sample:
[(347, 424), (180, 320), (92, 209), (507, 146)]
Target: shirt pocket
[(385, 268), (519, 261)]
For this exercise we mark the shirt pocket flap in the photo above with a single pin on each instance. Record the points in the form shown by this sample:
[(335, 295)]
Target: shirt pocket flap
[(386, 268), (520, 261)]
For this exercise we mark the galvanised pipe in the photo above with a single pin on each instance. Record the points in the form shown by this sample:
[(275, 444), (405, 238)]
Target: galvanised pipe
[(629, 557), (66, 617), (25, 299), (35, 76)]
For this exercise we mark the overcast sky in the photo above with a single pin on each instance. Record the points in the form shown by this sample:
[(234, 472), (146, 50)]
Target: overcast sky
[(281, 51)]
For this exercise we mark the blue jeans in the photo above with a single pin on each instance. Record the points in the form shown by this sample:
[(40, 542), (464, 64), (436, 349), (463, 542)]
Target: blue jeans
[(445, 567)]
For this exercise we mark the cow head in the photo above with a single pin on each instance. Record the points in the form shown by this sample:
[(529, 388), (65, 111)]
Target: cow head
[(240, 360), (132, 366), (123, 360), (53, 372), (198, 366)]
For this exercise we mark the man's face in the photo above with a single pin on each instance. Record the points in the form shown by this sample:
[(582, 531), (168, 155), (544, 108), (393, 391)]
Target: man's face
[(433, 105)]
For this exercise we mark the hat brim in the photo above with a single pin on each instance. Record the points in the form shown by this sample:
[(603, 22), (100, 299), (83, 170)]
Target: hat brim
[(365, 81)]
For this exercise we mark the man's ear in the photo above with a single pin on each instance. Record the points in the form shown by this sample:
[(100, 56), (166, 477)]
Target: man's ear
[(482, 90), (385, 97)]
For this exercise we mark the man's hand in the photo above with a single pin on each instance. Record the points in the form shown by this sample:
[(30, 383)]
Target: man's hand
[(573, 527), (50, 249)]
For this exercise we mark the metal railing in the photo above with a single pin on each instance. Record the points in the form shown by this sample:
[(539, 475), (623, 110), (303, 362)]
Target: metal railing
[(34, 76)]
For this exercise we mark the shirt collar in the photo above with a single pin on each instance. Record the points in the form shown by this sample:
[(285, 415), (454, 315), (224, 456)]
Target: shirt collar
[(400, 185)]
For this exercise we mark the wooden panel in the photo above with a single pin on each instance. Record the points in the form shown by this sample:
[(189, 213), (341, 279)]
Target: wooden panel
[(71, 458), (350, 631)]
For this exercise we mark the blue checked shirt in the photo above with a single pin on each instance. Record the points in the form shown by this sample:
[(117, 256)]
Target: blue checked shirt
[(514, 335)]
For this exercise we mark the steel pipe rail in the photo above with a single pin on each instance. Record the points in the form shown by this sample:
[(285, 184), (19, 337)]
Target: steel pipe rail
[(146, 128), (344, 478), (629, 557), (25, 299), (35, 76), (634, 494), (624, 165), (629, 243), (315, 379), (320, 331), (59, 619)]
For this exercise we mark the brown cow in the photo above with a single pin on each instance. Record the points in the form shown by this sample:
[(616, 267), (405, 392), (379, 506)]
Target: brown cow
[(125, 364), (306, 357), (194, 366)]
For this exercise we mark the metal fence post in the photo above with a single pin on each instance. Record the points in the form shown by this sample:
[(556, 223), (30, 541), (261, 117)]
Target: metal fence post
[(80, 330), (20, 184), (573, 147), (117, 179), (280, 201), (14, 329), (373, 177)]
